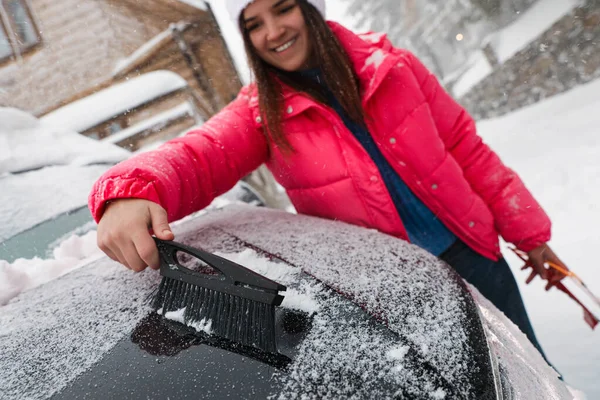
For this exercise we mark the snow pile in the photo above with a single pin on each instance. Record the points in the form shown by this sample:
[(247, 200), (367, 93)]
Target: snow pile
[(200, 326), (26, 143), (301, 298), (25, 274)]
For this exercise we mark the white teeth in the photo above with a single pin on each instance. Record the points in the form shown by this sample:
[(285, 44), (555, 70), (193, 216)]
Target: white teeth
[(285, 46)]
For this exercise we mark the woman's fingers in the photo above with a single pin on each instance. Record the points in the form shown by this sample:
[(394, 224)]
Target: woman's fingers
[(160, 222), (539, 268), (120, 257), (123, 232), (539, 258), (554, 275), (134, 261), (110, 247), (146, 249), (533, 274)]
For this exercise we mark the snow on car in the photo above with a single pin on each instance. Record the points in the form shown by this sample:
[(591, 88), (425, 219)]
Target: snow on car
[(366, 315), (45, 170)]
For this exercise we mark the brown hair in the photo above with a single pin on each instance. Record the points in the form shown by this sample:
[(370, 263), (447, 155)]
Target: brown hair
[(335, 66)]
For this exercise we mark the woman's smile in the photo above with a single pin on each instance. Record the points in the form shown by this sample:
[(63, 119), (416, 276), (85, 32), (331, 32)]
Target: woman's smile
[(278, 33), (285, 46)]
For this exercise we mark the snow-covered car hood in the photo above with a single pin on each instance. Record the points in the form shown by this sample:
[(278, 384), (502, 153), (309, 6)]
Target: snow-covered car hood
[(391, 320)]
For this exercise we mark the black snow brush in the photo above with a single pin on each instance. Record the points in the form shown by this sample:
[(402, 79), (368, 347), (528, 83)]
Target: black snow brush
[(238, 303)]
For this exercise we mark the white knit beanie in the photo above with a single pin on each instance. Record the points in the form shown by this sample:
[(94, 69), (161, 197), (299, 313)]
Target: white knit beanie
[(235, 7)]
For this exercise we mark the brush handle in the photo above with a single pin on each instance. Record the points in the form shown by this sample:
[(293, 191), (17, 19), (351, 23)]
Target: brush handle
[(234, 279)]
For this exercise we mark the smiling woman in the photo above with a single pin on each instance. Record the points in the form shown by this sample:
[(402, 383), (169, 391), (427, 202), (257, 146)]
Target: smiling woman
[(280, 46), (355, 130), (279, 34)]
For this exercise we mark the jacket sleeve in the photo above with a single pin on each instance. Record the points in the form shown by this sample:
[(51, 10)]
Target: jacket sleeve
[(185, 174), (518, 216)]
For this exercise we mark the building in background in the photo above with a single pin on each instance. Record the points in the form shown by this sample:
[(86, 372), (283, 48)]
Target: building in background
[(55, 54)]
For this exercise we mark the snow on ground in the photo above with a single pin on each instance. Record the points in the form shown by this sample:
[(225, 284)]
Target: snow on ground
[(554, 147)]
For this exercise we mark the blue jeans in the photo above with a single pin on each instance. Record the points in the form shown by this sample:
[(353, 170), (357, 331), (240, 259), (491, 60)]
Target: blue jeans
[(495, 281)]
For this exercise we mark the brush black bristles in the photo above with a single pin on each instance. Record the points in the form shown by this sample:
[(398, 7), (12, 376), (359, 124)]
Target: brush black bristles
[(238, 304)]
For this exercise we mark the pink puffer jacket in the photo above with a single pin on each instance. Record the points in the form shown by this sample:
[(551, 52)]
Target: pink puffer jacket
[(427, 137)]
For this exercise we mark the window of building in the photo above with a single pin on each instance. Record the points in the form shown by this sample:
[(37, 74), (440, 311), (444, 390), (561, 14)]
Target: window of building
[(18, 32), (5, 49)]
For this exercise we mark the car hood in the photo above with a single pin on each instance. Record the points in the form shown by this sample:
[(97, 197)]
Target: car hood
[(391, 320)]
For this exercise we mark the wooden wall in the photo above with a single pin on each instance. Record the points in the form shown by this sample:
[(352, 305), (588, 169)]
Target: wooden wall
[(211, 53)]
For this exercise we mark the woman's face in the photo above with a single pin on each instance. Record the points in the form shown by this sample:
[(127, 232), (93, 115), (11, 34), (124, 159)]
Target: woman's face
[(278, 33)]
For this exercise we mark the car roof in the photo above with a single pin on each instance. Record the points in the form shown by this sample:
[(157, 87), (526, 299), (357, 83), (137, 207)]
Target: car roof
[(390, 316), (35, 196)]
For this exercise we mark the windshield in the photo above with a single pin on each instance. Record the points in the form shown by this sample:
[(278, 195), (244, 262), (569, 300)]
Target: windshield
[(40, 240)]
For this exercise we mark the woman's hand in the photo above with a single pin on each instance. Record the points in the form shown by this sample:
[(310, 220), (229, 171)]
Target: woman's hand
[(538, 258), (123, 232)]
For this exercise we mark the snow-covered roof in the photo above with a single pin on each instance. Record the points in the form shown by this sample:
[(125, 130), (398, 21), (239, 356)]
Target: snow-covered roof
[(146, 50), (157, 122), (54, 145), (103, 105), (513, 38), (535, 21)]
